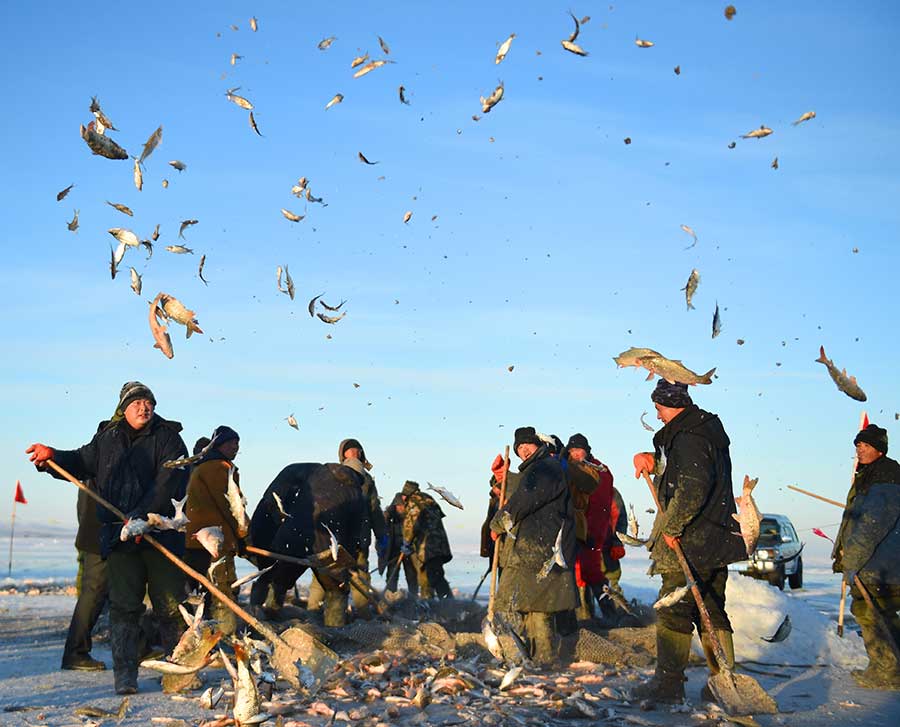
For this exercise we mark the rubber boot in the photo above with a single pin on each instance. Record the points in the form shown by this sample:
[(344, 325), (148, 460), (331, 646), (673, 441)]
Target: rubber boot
[(123, 638), (672, 651), (584, 612), (541, 637), (727, 641), (316, 599), (334, 612), (883, 671)]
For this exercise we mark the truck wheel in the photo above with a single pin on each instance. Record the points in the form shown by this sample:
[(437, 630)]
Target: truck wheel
[(796, 580), (777, 578)]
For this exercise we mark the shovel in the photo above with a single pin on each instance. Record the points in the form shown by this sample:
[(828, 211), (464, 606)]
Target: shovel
[(487, 626), (289, 648), (738, 694)]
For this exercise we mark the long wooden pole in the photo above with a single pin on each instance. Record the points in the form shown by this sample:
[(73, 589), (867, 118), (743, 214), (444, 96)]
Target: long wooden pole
[(12, 530), (496, 557), (818, 497), (843, 604)]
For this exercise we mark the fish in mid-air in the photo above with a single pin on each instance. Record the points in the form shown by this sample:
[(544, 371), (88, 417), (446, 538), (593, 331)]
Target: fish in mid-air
[(569, 44), (716, 322), (670, 599), (634, 527), (176, 311), (556, 557), (325, 43), (253, 125), (239, 100), (845, 383), (656, 364), (806, 117), (643, 43), (138, 175), (446, 495), (749, 516), (135, 281), (254, 24), (369, 67), (691, 287), (488, 103), (235, 58), (690, 231), (333, 545), (152, 143), (159, 330), (330, 319), (759, 133), (730, 12), (407, 216), (402, 92), (359, 60), (121, 208), (103, 122), (178, 165), (774, 163), (291, 216), (782, 632), (184, 225), (200, 270), (384, 46), (292, 422), (237, 503), (124, 235), (644, 424), (73, 225), (504, 49), (336, 99), (288, 283), (312, 305), (332, 307), (155, 234), (100, 144), (60, 196), (364, 160), (179, 249)]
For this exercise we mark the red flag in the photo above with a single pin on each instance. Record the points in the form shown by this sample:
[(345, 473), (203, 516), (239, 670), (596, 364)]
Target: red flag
[(821, 534), (20, 496)]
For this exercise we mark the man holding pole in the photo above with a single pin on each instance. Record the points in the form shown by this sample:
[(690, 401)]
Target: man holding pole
[(696, 504), (125, 459), (866, 551)]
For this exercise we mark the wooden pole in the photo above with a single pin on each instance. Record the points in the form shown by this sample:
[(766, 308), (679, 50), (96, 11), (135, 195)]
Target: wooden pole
[(818, 497), (496, 557), (843, 604), (12, 530)]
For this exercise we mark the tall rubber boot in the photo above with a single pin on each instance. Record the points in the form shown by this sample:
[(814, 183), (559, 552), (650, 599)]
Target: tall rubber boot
[(673, 649), (584, 612), (334, 611), (727, 640), (123, 638), (883, 671), (541, 637)]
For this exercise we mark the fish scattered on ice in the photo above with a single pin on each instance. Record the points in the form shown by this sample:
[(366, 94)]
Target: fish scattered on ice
[(98, 712), (749, 516), (691, 287), (670, 599), (782, 632), (446, 495), (845, 383), (210, 698), (510, 677), (212, 539), (170, 668), (556, 557)]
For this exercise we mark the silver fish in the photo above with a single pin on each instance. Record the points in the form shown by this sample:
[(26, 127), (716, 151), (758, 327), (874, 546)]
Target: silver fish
[(488, 103), (168, 667), (634, 528), (749, 516), (254, 24), (359, 60), (845, 383), (149, 246), (239, 100), (504, 49), (644, 424), (332, 307), (138, 175), (670, 599), (253, 124), (280, 505), (73, 225), (574, 48), (291, 216), (101, 145), (716, 322), (237, 503), (369, 67), (135, 281), (628, 540), (251, 577), (192, 652), (325, 43), (289, 283), (211, 539), (292, 422), (132, 528), (490, 639), (690, 231), (691, 287), (178, 164), (184, 225), (782, 632), (446, 495), (155, 234), (384, 46), (643, 43), (806, 117), (62, 195), (334, 543), (510, 677), (312, 305), (235, 58), (556, 557), (330, 319), (616, 598), (507, 522), (759, 133), (672, 370), (179, 249), (103, 121), (152, 143), (210, 698), (200, 270), (336, 99), (124, 236), (121, 208), (279, 272)]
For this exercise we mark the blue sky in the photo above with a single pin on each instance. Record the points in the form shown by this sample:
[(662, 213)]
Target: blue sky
[(555, 246)]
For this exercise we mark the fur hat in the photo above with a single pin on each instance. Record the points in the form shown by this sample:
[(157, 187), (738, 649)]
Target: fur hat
[(409, 487), (579, 441), (526, 435), (674, 396), (874, 436)]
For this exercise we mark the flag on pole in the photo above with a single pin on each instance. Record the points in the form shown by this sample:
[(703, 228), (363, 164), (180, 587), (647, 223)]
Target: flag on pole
[(20, 495)]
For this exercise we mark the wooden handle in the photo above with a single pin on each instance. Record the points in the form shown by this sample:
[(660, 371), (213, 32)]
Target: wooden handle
[(818, 497), (495, 559), (841, 606), (695, 590)]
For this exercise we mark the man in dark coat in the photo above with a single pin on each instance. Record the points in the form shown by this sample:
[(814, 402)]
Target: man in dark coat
[(314, 496), (425, 540), (539, 514), (92, 586), (867, 546), (125, 459), (696, 507), (393, 518)]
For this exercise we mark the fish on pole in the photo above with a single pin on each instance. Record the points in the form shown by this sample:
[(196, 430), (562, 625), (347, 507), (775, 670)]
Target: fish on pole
[(18, 497)]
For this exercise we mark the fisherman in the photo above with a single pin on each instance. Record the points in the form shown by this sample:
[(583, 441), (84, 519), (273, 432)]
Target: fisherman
[(125, 458), (539, 513), (317, 500), (352, 455), (92, 587), (613, 552), (425, 540), (693, 485), (209, 505), (866, 546), (591, 485), (393, 517)]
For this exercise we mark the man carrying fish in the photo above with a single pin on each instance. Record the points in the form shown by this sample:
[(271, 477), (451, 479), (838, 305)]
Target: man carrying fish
[(393, 517), (125, 459), (539, 553), (425, 540), (693, 485), (866, 546), (214, 499)]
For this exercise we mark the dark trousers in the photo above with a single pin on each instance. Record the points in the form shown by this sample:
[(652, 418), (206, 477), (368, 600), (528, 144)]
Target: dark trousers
[(432, 581), (93, 589), (409, 570), (684, 615), (222, 578)]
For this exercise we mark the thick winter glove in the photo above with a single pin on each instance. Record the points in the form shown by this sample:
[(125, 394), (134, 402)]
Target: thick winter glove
[(406, 548), (617, 552), (643, 462), (670, 541), (242, 547), (381, 544), (40, 453), (498, 467)]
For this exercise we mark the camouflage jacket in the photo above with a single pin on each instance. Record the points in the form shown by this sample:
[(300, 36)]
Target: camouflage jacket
[(423, 529)]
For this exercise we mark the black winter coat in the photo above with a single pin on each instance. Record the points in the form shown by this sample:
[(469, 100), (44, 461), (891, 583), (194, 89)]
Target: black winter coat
[(539, 507), (127, 470), (695, 494), (871, 535)]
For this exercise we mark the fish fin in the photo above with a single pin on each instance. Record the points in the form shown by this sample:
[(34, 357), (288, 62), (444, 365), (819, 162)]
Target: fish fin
[(707, 377), (690, 306), (822, 358)]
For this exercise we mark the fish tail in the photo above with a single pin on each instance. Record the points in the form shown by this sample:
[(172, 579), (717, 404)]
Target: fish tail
[(707, 377), (822, 358), (690, 306)]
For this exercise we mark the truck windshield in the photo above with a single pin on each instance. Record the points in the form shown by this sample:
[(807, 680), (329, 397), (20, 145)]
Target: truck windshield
[(769, 533)]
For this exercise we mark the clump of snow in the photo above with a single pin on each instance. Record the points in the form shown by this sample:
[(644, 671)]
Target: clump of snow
[(756, 609)]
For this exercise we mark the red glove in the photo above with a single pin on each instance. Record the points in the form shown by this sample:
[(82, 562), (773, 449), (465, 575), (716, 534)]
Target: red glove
[(670, 541), (498, 467), (617, 552), (643, 462), (494, 535), (40, 453)]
